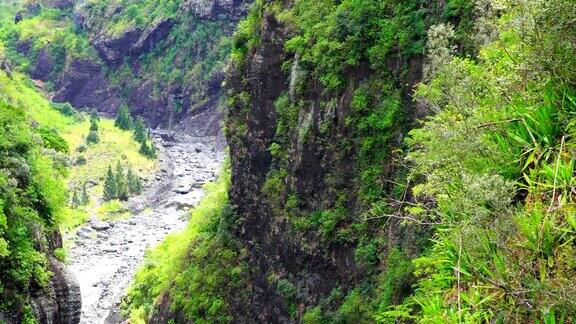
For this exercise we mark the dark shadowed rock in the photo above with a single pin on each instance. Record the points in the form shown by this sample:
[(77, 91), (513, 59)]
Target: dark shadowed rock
[(114, 49), (151, 36), (83, 85), (216, 9), (60, 302), (43, 66), (30, 9), (60, 4), (132, 42)]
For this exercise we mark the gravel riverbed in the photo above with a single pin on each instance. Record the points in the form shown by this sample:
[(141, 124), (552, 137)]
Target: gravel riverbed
[(105, 255)]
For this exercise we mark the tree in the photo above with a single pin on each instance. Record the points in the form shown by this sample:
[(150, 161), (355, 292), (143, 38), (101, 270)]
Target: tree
[(85, 199), (92, 137), (148, 150), (75, 199), (93, 124), (134, 183), (121, 182), (110, 185), (140, 130), (94, 114), (123, 118)]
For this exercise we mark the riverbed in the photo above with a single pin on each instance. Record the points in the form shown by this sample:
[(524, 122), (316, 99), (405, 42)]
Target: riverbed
[(105, 255)]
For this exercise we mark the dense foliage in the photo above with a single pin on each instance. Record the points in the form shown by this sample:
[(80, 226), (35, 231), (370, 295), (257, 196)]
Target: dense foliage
[(196, 270), (31, 198), (499, 168), (121, 184)]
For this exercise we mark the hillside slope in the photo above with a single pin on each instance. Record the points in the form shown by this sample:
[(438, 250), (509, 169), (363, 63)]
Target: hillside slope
[(164, 60), (34, 282)]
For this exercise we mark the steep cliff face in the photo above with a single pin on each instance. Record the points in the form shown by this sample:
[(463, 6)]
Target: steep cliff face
[(316, 166)]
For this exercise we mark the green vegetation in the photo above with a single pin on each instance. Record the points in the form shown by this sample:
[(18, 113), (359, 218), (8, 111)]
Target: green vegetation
[(120, 184), (31, 199), (123, 118), (49, 32), (496, 161), (198, 269), (490, 171)]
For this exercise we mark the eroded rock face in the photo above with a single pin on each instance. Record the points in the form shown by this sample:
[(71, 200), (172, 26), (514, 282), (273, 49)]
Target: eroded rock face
[(132, 42), (60, 4), (216, 9), (30, 9), (60, 302), (83, 84), (317, 169), (43, 66)]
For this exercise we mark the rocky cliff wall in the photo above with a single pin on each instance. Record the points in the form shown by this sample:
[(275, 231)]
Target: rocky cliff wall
[(308, 218)]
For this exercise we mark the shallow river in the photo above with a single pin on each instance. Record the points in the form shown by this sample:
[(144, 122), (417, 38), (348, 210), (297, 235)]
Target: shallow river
[(106, 254)]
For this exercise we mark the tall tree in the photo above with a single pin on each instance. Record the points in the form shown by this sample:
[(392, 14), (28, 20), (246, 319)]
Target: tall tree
[(75, 199), (85, 199), (93, 124), (121, 182), (134, 183), (92, 137), (110, 185), (148, 150), (140, 130), (94, 114), (123, 118)]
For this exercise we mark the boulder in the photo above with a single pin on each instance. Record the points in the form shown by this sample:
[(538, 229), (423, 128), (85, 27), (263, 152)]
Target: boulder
[(99, 225)]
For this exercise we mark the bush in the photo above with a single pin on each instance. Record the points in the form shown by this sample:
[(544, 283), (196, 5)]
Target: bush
[(53, 140), (64, 108), (80, 160), (81, 148), (92, 138)]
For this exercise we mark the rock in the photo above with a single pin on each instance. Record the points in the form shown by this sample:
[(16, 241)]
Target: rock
[(43, 66), (99, 225), (84, 235), (110, 249), (30, 9), (60, 302), (182, 190), (83, 84), (215, 9), (132, 222), (132, 42)]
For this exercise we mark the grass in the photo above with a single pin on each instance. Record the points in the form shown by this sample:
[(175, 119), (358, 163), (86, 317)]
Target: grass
[(198, 266), (114, 145), (112, 210)]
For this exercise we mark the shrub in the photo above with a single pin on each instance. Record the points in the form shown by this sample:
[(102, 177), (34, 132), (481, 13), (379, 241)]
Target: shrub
[(64, 108), (81, 148), (92, 138), (123, 118), (53, 140), (80, 160)]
